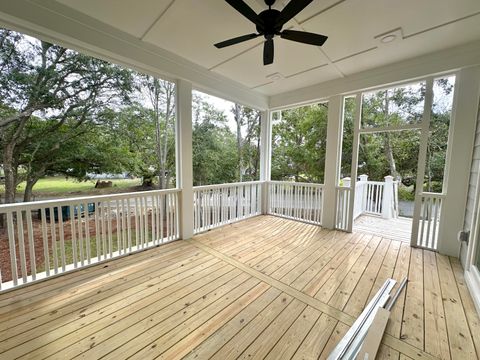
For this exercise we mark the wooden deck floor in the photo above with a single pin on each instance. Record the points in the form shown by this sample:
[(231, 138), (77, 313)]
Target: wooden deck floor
[(397, 229), (262, 288)]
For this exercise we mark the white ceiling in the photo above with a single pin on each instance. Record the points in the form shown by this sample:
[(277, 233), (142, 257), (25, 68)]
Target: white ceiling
[(189, 28)]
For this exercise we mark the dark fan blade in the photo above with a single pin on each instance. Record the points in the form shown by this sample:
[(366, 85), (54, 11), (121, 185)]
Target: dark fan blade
[(304, 37), (268, 52), (236, 40), (292, 9), (246, 11)]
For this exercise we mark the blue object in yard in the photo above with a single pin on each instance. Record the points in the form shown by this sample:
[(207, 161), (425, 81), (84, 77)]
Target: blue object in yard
[(66, 215)]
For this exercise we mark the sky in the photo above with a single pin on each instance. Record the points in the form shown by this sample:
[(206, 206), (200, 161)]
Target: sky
[(223, 105)]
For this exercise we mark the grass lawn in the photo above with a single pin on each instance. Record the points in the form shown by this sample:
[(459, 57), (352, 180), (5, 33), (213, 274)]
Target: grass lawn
[(59, 185)]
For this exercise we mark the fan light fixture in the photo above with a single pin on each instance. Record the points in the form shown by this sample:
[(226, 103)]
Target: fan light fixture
[(269, 23)]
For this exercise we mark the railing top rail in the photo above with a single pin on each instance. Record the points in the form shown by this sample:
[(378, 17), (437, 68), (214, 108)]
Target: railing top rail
[(432, 195), (5, 208), (217, 186), (374, 182), (338, 187), (295, 183)]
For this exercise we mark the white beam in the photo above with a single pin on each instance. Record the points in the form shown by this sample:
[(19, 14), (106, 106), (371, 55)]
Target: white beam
[(184, 157), (333, 159), (464, 117)]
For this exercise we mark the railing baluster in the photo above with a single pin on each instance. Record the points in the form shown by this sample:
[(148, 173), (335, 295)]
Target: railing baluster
[(21, 246), (97, 230), (435, 219), (46, 252), (53, 234), (31, 245), (61, 232), (87, 233), (118, 227), (74, 237), (80, 235), (103, 231), (162, 221), (11, 242), (429, 223), (109, 228)]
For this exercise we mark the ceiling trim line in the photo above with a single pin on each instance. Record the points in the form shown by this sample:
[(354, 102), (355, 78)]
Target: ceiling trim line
[(157, 20), (442, 25)]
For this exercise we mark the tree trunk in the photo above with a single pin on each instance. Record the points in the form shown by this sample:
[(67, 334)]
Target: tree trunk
[(391, 160), (27, 196), (388, 144), (10, 174)]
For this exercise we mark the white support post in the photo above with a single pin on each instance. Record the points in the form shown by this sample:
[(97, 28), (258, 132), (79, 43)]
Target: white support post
[(387, 199), (460, 150), (333, 160), (355, 146), (184, 157), (422, 158), (265, 157)]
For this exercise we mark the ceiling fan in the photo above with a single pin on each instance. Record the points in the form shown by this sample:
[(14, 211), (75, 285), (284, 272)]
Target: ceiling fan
[(269, 23)]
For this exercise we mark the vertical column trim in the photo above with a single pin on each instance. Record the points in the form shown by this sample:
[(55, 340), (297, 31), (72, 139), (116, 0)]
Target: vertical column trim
[(184, 157)]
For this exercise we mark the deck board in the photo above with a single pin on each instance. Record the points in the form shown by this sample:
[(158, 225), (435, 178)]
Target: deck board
[(265, 287), (396, 228)]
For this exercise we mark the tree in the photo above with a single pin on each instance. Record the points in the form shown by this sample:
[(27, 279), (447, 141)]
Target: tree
[(299, 144), (68, 90), (248, 147), (215, 156), (161, 102)]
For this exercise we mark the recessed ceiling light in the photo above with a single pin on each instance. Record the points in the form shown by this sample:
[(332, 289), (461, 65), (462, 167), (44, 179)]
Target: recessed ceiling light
[(275, 76), (389, 37)]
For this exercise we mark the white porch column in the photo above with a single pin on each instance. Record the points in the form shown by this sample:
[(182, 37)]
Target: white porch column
[(184, 157), (332, 160), (462, 133), (265, 156), (387, 199)]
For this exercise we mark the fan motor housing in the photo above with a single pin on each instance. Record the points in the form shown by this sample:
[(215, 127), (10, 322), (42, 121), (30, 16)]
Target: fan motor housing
[(269, 18)]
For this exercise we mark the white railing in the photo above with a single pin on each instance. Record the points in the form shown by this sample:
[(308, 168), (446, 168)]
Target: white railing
[(46, 238), (360, 199), (429, 220), (217, 205), (342, 221), (375, 197), (298, 201)]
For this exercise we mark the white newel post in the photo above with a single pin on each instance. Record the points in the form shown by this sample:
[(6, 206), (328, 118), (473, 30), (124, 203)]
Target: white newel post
[(346, 182), (184, 157), (265, 157), (363, 180), (387, 201)]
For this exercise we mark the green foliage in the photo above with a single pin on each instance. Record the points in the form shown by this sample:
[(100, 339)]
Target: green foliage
[(299, 144), (215, 158), (406, 193)]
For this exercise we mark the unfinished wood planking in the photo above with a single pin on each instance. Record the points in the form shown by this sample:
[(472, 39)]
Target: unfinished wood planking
[(265, 287)]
